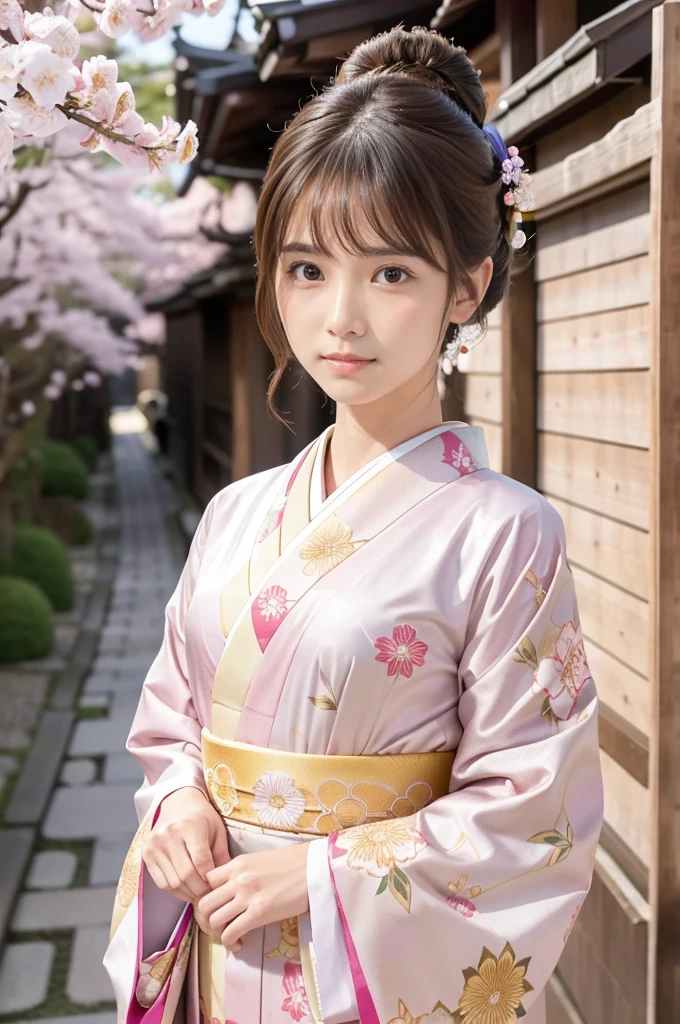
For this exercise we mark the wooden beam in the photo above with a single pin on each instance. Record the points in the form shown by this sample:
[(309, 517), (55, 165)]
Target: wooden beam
[(622, 155), (664, 1001)]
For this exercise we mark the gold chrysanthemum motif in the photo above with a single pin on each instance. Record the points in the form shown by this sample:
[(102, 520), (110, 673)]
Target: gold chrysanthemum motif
[(328, 546), (129, 875), (222, 788), (289, 943), (494, 990), (377, 848)]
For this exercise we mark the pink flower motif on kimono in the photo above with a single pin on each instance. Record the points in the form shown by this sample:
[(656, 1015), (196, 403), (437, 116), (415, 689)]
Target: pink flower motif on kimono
[(273, 603), (401, 651), (457, 455), (563, 675), (464, 907), (295, 1001)]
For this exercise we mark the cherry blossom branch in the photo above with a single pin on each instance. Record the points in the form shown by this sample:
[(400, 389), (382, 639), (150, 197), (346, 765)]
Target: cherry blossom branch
[(22, 195), (99, 128)]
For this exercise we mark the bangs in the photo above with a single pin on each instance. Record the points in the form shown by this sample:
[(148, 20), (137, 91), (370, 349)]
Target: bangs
[(339, 204)]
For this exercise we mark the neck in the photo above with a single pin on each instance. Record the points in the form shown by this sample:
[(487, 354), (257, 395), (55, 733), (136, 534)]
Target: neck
[(362, 433)]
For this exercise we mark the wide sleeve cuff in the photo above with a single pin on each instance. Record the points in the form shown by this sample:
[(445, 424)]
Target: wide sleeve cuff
[(333, 975)]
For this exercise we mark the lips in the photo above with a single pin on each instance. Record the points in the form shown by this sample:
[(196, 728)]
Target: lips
[(338, 357)]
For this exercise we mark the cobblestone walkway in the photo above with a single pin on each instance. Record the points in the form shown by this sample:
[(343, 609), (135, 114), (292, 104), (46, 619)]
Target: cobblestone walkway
[(52, 964)]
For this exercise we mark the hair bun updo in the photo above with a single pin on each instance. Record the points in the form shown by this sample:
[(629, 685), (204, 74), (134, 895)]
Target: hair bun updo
[(425, 55)]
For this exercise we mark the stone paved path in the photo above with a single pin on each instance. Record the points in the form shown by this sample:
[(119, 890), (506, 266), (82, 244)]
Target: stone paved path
[(52, 964)]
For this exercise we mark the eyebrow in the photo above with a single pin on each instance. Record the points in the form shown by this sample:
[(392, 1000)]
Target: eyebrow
[(382, 251)]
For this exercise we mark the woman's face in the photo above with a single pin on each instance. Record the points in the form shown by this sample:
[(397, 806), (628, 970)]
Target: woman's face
[(367, 328)]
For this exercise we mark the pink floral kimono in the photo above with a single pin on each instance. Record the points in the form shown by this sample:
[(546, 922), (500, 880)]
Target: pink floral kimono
[(424, 612)]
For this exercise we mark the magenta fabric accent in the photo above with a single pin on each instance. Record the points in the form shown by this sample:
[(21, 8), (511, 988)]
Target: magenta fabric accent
[(152, 1014), (457, 454), (367, 1010)]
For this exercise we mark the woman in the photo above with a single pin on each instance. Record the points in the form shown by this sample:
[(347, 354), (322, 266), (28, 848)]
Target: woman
[(385, 594)]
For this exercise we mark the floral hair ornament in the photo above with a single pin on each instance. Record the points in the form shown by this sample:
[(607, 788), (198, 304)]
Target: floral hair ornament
[(465, 338), (519, 197)]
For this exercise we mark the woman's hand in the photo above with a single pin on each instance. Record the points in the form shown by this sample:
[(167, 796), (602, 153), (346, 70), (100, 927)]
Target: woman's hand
[(188, 841), (252, 890)]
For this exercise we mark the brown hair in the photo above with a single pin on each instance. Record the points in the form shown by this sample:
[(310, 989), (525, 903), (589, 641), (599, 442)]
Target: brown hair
[(402, 124)]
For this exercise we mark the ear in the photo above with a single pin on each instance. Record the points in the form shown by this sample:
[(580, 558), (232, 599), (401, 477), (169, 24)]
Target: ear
[(463, 305)]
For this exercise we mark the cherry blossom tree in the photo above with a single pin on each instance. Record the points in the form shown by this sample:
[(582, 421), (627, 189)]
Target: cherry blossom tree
[(44, 86)]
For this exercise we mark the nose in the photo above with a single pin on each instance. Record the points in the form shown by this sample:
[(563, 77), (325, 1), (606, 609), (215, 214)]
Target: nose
[(345, 313)]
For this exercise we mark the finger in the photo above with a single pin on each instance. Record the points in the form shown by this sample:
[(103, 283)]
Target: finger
[(197, 842), (220, 846), (239, 927), (219, 875), (216, 898), (225, 913), (174, 885), (187, 873), (157, 876)]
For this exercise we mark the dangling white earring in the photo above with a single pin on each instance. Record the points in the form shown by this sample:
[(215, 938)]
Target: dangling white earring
[(467, 336)]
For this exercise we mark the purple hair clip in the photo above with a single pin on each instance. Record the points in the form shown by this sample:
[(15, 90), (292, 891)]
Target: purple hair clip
[(520, 196)]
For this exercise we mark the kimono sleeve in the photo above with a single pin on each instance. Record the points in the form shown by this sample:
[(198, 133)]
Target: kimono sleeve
[(165, 736), (461, 911)]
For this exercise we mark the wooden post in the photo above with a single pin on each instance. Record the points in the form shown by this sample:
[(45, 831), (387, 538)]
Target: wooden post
[(516, 26), (556, 21), (664, 963), (518, 360)]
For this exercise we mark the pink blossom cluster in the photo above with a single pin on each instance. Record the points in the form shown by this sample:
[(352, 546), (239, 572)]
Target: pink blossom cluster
[(159, 17), (71, 256), (42, 88)]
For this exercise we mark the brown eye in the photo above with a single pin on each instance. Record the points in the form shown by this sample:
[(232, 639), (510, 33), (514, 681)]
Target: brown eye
[(309, 272), (393, 275)]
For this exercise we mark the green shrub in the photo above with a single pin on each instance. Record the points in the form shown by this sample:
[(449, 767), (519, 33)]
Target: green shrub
[(27, 621), (82, 530), (86, 447), (62, 470), (38, 555)]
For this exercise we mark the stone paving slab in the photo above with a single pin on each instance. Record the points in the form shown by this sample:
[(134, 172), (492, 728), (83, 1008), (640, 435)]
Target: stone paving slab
[(25, 975), (85, 812), (52, 869), (15, 849), (78, 1018), (63, 908), (80, 772), (107, 859), (122, 768), (88, 983), (40, 769), (100, 736)]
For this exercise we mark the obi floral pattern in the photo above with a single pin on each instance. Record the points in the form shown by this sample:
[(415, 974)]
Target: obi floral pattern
[(222, 788), (401, 651), (277, 801), (347, 804)]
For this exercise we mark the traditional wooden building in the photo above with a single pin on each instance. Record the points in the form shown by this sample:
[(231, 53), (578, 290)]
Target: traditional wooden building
[(576, 385)]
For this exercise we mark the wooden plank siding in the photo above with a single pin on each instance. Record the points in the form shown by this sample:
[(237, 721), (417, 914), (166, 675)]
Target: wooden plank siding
[(664, 639), (594, 412), (482, 368)]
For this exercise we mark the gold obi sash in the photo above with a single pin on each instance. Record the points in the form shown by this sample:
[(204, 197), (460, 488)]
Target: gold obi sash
[(318, 794)]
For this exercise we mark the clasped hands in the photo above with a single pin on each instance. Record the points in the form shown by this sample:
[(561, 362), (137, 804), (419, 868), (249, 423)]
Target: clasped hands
[(187, 855)]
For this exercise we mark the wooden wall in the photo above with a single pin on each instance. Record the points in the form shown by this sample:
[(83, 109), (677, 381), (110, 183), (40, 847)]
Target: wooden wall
[(594, 396), (482, 388)]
